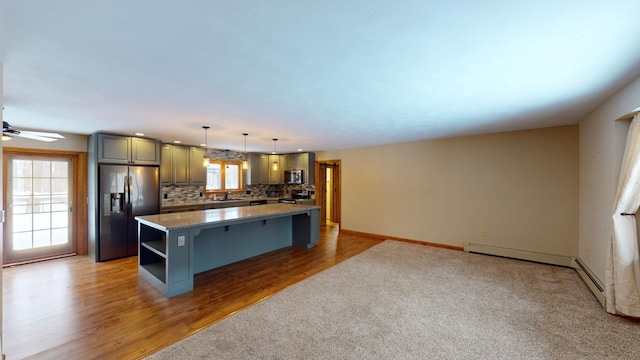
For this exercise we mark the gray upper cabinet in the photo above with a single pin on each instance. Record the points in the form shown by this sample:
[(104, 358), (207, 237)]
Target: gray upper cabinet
[(145, 151), (182, 165), (298, 161), (166, 165), (258, 171), (174, 169), (116, 149), (305, 162), (276, 172), (261, 167), (197, 172)]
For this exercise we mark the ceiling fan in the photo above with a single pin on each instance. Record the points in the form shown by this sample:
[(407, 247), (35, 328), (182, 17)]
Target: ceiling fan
[(8, 133)]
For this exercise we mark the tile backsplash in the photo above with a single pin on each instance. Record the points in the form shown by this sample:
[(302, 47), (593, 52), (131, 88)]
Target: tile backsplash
[(181, 193)]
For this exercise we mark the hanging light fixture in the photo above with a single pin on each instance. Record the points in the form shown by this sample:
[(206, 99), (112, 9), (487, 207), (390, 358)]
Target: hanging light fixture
[(245, 163), (274, 166), (205, 159)]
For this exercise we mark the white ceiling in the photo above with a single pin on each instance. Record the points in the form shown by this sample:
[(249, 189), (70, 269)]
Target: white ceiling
[(317, 75)]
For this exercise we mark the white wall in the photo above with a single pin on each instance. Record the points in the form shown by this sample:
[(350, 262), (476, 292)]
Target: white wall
[(602, 141), (520, 187)]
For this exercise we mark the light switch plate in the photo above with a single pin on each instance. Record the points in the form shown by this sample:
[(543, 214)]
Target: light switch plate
[(181, 240)]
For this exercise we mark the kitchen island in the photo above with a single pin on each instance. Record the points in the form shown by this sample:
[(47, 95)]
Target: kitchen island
[(174, 247)]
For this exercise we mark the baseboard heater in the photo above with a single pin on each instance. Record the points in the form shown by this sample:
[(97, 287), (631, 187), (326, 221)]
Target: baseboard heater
[(559, 260), (592, 282), (583, 271)]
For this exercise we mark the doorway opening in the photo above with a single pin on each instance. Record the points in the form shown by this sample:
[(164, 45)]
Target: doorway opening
[(328, 195)]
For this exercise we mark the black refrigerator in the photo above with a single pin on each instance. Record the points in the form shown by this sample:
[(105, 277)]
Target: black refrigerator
[(124, 192)]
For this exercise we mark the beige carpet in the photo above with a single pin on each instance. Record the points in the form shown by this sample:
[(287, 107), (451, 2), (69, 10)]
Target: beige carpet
[(407, 301)]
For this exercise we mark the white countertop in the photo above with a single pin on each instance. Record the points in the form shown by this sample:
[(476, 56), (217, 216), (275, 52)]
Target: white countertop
[(223, 216)]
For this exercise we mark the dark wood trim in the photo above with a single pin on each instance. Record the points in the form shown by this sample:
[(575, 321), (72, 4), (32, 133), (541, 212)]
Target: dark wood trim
[(386, 237), (336, 201), (81, 210), (336, 212)]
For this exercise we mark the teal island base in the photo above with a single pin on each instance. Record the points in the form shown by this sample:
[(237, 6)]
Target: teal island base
[(173, 247)]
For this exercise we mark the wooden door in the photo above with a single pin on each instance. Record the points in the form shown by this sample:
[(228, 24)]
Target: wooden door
[(328, 209)]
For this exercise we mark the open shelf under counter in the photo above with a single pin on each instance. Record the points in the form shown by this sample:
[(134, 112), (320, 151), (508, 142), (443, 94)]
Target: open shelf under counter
[(158, 270), (157, 246)]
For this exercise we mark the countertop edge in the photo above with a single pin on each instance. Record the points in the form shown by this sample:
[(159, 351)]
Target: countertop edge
[(156, 221)]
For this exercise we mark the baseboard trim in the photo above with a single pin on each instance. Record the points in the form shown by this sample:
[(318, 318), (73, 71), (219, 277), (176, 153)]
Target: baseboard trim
[(544, 258), (386, 237), (592, 282)]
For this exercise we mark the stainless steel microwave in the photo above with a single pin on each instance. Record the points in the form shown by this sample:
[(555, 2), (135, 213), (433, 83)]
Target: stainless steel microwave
[(293, 177)]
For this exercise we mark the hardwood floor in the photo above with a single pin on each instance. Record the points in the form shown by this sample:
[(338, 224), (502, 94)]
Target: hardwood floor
[(74, 308)]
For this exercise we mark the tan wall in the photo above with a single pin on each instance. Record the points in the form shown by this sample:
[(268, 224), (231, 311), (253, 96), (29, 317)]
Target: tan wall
[(521, 188), (71, 142), (602, 141), (1, 196)]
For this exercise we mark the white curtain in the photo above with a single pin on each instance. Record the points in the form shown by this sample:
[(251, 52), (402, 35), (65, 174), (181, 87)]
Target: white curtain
[(623, 260)]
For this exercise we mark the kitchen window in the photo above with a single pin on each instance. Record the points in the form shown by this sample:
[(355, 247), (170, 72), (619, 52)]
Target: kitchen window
[(224, 176)]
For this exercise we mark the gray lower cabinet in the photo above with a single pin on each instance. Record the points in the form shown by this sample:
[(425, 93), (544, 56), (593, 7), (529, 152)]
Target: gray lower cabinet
[(204, 206), (228, 204), (117, 149), (175, 209), (209, 205)]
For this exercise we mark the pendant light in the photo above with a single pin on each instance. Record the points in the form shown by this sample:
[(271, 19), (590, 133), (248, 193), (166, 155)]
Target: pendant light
[(245, 163), (205, 159), (274, 166)]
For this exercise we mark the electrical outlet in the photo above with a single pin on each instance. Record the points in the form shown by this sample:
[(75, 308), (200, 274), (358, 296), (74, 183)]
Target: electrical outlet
[(587, 252), (181, 240), (483, 234)]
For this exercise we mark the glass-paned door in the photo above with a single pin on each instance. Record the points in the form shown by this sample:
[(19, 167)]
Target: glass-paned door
[(39, 203)]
